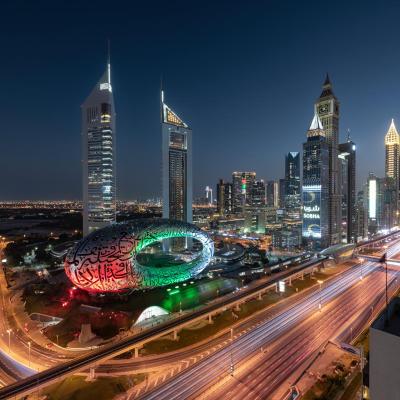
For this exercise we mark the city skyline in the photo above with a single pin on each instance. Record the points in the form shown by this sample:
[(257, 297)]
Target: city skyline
[(241, 101), (200, 200)]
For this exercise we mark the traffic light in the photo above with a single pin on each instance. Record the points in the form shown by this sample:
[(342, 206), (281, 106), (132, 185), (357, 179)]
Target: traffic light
[(231, 369)]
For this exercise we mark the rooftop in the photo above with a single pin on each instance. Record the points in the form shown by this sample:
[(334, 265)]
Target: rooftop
[(393, 324)]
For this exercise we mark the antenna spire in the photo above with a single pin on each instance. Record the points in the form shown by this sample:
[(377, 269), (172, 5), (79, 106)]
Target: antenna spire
[(162, 88), (348, 135), (108, 62)]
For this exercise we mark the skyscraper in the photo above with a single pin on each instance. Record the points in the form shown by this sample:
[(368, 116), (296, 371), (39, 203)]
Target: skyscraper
[(255, 209), (316, 186), (292, 195), (176, 165), (347, 161), (361, 217), (98, 155), (224, 197), (272, 190), (327, 107), (209, 195), (372, 202), (241, 184), (392, 144), (257, 193), (392, 163)]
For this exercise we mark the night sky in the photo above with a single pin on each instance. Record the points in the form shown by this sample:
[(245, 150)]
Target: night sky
[(243, 75)]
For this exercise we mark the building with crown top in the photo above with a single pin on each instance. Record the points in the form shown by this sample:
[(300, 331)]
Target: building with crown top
[(392, 172), (327, 107)]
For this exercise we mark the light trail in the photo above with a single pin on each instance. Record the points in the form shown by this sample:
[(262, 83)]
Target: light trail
[(192, 382)]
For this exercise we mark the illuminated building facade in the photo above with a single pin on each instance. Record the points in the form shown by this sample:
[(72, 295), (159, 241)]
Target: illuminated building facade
[(292, 194), (224, 197), (392, 163), (241, 184), (380, 196), (315, 228), (255, 209), (107, 259), (372, 200), (347, 163), (392, 144), (98, 156), (327, 107), (361, 217), (176, 165), (273, 197)]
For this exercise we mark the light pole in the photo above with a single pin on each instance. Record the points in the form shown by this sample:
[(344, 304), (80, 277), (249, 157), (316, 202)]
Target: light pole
[(9, 339), (320, 286), (57, 339), (383, 261), (361, 264), (29, 353)]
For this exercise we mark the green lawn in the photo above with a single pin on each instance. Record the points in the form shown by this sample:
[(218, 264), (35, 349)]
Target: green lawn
[(188, 337), (76, 388)]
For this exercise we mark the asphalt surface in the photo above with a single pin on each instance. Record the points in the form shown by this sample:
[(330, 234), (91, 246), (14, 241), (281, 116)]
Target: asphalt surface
[(289, 338)]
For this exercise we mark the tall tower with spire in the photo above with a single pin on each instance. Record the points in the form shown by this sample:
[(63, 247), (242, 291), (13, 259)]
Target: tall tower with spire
[(327, 107), (392, 145), (315, 230), (98, 155), (392, 175), (176, 165)]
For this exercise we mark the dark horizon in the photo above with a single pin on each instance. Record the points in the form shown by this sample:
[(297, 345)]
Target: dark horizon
[(245, 79)]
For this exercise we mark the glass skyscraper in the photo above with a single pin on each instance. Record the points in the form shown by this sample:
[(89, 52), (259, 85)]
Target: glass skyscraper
[(242, 183), (316, 186), (176, 165), (347, 162), (292, 194), (98, 156)]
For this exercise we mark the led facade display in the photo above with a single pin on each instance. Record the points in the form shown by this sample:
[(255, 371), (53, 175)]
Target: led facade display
[(105, 260), (312, 211), (372, 199)]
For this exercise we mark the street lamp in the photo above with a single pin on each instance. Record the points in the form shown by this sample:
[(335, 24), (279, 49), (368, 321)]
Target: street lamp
[(383, 261), (29, 353), (320, 286), (361, 264), (9, 339)]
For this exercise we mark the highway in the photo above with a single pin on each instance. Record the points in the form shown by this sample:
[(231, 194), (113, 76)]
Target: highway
[(95, 357), (289, 339), (243, 347)]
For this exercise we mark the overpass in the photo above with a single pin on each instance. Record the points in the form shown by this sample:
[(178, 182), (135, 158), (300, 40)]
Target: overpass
[(391, 261)]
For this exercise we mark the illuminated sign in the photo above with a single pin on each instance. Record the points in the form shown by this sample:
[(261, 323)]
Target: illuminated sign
[(372, 199), (311, 211), (281, 286)]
